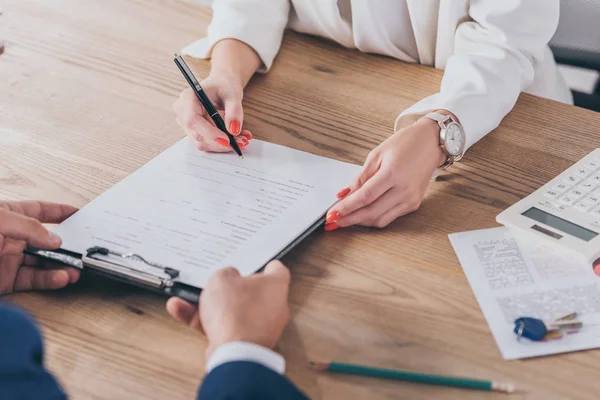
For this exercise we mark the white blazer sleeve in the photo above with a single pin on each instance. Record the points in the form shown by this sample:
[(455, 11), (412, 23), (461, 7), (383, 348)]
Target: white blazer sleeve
[(258, 23), (493, 62)]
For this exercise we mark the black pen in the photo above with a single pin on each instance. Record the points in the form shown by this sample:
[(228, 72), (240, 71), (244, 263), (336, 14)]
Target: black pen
[(205, 101)]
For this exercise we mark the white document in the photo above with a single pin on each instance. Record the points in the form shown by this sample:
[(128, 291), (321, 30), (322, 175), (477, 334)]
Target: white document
[(514, 277), (199, 212)]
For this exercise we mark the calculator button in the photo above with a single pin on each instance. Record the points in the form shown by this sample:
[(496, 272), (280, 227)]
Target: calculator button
[(593, 165), (566, 200), (571, 179), (588, 185), (595, 178), (576, 193), (560, 187), (551, 194), (582, 171), (583, 207), (592, 199), (596, 211)]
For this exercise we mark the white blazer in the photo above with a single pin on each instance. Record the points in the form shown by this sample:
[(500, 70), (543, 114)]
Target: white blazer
[(491, 50)]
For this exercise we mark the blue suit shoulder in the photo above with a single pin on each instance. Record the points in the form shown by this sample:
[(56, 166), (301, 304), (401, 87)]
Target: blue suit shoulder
[(244, 380), (22, 373)]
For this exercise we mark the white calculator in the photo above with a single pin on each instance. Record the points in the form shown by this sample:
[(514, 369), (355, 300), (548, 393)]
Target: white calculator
[(565, 211)]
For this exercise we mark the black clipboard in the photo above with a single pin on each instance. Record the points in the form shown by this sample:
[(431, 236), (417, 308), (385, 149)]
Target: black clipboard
[(163, 279)]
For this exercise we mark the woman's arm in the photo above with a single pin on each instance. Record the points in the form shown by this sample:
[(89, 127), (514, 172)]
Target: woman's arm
[(235, 60), (243, 37), (493, 62)]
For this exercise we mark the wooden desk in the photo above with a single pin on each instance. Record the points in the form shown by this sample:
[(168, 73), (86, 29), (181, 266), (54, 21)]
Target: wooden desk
[(85, 98)]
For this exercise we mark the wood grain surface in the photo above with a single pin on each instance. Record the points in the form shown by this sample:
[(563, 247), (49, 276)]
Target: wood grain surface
[(86, 89)]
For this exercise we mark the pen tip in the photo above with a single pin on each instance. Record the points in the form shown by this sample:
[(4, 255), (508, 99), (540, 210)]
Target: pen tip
[(175, 55)]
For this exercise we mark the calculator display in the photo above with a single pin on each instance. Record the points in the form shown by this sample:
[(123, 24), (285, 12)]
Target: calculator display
[(561, 224)]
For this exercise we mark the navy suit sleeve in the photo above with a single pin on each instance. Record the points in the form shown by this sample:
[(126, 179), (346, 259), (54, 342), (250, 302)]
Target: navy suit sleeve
[(244, 380), (22, 373)]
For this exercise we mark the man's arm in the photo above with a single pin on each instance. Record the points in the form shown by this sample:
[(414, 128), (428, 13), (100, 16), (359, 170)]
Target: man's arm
[(22, 373), (245, 380), (243, 319)]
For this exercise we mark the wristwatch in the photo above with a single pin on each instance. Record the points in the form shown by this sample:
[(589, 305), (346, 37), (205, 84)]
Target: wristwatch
[(452, 137)]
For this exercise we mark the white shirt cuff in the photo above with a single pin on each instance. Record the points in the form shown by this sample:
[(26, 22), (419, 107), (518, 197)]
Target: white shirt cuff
[(244, 351)]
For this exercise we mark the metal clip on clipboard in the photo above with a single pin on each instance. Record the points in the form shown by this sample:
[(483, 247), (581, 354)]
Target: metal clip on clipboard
[(104, 261), (91, 260)]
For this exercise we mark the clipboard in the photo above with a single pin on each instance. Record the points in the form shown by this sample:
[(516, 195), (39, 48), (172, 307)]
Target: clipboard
[(163, 280)]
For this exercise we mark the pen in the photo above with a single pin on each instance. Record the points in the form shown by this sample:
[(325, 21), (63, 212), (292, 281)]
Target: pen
[(205, 101), (417, 377)]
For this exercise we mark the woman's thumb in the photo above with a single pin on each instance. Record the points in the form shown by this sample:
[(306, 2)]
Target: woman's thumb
[(234, 116)]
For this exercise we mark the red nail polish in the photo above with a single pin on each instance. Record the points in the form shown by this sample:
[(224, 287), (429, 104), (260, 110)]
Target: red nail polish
[(332, 226), (332, 216), (222, 141), (234, 127), (343, 193)]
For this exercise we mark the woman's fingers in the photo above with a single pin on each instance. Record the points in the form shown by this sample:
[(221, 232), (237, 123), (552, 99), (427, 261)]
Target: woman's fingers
[(374, 187), (370, 215), (234, 115), (199, 127), (381, 213)]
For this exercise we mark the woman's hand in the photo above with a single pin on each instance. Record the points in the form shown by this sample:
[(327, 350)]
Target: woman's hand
[(20, 227), (226, 92), (393, 180), (232, 65)]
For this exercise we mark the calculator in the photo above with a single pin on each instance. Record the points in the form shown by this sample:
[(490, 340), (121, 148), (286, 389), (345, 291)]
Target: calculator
[(565, 211)]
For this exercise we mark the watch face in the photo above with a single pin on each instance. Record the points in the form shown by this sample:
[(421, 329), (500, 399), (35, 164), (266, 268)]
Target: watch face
[(454, 139)]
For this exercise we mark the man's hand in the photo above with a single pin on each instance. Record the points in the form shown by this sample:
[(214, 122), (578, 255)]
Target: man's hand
[(21, 227), (236, 309)]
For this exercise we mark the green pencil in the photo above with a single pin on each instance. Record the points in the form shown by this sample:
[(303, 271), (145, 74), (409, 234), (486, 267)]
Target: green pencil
[(465, 383)]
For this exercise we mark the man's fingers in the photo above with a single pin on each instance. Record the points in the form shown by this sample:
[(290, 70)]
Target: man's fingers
[(184, 312), (48, 213), (12, 247), (276, 269), (20, 227), (29, 278), (181, 310)]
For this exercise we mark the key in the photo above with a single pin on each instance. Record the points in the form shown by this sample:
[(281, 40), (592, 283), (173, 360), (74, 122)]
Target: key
[(596, 212), (535, 329), (530, 328), (551, 194)]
